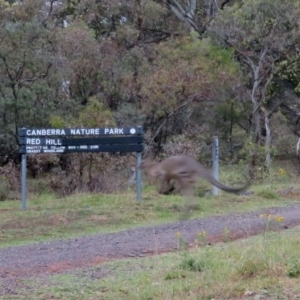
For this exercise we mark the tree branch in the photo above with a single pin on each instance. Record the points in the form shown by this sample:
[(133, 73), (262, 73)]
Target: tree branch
[(168, 116)]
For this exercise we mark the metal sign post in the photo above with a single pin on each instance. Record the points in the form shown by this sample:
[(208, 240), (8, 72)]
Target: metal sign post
[(215, 159), (73, 140), (139, 178), (23, 182)]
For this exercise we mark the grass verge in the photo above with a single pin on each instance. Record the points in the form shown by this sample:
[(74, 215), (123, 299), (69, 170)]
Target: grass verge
[(48, 217), (262, 267)]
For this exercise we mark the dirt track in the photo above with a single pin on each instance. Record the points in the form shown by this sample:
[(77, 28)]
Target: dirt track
[(59, 256)]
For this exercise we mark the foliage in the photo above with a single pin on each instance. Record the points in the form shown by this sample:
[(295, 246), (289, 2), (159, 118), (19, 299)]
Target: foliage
[(95, 113), (294, 268), (9, 181), (191, 264), (252, 268), (262, 33), (28, 72), (268, 194), (184, 79), (4, 189)]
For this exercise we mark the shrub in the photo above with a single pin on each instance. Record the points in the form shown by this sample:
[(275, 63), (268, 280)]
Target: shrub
[(4, 188), (189, 263), (268, 194), (9, 180), (252, 267), (294, 268)]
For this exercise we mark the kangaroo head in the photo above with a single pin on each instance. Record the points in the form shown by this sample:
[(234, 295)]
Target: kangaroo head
[(152, 167), (147, 163)]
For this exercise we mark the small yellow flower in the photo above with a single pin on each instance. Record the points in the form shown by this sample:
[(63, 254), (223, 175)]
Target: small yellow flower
[(178, 234), (226, 230), (281, 172), (202, 233), (279, 219), (270, 217)]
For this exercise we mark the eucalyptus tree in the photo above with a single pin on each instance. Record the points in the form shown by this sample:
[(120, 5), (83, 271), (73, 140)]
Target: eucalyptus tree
[(27, 70), (262, 33), (197, 15)]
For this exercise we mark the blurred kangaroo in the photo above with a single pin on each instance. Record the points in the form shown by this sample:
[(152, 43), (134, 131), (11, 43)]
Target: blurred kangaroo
[(185, 171)]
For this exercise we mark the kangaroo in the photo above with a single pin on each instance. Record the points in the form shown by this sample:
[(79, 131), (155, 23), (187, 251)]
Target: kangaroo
[(185, 171)]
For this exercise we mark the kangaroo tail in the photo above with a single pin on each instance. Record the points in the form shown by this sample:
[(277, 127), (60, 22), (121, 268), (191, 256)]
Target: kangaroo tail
[(226, 188)]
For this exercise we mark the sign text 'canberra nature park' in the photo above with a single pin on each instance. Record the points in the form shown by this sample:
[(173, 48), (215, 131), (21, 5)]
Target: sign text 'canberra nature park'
[(77, 131)]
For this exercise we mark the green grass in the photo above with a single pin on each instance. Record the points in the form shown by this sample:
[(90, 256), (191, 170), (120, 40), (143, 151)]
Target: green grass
[(262, 267), (48, 217)]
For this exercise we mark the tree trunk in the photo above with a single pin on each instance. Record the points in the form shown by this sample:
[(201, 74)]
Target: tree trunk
[(267, 142)]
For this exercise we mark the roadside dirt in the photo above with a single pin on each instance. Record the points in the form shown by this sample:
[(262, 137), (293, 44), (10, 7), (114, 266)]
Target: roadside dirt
[(41, 259)]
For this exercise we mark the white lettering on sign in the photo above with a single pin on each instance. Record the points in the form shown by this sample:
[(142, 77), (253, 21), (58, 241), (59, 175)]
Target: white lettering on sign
[(33, 141), (83, 131), (53, 142), (33, 147), (113, 131), (44, 132), (75, 131), (54, 151)]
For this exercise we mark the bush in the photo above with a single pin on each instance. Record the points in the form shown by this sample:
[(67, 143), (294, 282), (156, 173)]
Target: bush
[(87, 172), (4, 188), (251, 268), (189, 263), (267, 194), (9, 180), (293, 270)]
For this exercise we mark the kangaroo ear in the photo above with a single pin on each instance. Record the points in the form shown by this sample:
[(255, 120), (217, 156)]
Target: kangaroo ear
[(148, 156), (147, 161)]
